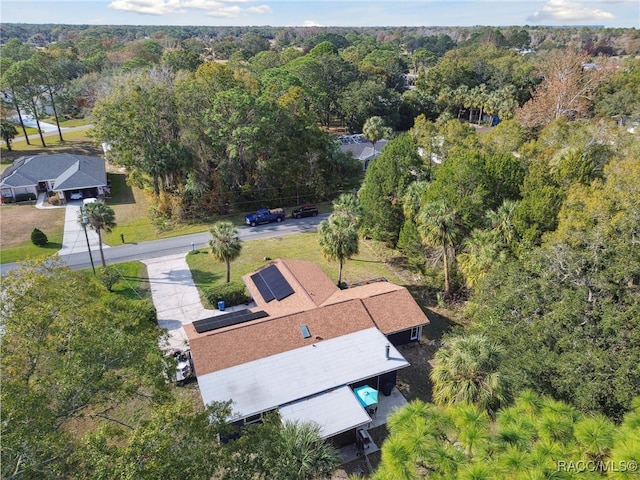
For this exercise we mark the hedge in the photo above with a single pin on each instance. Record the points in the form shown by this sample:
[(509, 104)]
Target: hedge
[(21, 197), (233, 293)]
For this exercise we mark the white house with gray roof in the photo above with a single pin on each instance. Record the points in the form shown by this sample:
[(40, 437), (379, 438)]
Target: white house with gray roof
[(361, 148), (68, 176)]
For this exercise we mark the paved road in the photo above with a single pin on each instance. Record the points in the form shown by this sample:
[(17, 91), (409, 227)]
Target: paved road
[(35, 137), (176, 245)]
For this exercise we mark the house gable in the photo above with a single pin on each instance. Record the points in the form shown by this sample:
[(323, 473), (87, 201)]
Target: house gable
[(68, 172)]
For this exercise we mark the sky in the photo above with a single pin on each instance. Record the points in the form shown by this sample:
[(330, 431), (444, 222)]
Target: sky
[(354, 13)]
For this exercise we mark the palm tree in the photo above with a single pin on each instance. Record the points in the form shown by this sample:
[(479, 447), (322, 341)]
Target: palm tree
[(501, 221), (467, 372), (225, 245), (438, 227), (481, 252), (303, 454), (374, 129), (349, 205), (412, 198), (338, 239), (8, 132), (99, 216)]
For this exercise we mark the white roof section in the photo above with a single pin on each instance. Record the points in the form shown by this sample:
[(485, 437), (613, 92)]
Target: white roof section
[(268, 383), (336, 411)]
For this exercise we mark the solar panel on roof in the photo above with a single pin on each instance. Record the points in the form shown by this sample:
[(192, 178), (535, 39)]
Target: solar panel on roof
[(271, 284), (281, 289), (221, 321), (262, 287)]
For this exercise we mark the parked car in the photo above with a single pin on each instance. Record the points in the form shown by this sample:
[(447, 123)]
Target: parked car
[(76, 196), (305, 211), (265, 216), (184, 365)]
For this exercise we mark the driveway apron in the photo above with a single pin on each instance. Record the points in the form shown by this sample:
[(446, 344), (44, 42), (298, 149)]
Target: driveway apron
[(74, 239), (175, 297)]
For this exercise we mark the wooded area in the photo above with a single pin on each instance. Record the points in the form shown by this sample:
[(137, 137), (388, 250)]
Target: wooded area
[(510, 183)]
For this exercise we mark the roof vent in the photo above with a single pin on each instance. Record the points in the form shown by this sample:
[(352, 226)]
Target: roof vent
[(305, 331)]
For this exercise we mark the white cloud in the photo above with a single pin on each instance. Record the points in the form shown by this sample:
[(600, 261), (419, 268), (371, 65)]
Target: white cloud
[(214, 8), (202, 4), (149, 7), (568, 11), (260, 9), (225, 12), (311, 23)]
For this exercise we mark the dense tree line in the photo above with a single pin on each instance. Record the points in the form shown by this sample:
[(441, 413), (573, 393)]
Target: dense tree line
[(537, 437), (533, 224), (86, 394), (435, 39)]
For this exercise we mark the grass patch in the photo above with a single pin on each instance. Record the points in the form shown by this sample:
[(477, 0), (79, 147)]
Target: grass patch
[(74, 122), (16, 224), (134, 281), (368, 264), (78, 143)]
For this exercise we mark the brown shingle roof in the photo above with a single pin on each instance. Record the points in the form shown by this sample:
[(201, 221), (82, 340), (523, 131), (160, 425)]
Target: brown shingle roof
[(225, 348), (312, 279), (362, 291), (327, 311), (395, 311), (299, 301), (391, 307)]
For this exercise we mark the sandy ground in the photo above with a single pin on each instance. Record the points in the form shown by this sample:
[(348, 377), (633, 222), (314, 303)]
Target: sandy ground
[(18, 221)]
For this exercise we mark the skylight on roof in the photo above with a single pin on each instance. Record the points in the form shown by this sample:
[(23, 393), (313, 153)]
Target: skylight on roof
[(305, 331)]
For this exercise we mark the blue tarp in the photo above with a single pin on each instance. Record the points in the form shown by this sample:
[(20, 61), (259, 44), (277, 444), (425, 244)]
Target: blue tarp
[(366, 395)]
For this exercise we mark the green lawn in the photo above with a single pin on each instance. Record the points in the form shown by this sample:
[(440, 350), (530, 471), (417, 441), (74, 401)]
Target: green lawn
[(29, 250), (131, 206), (369, 263), (134, 281)]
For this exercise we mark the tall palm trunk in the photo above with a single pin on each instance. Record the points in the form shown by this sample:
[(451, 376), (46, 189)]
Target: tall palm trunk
[(228, 263), (340, 273), (447, 282)]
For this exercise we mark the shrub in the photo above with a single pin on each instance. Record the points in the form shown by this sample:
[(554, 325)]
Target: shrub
[(109, 276), (234, 293), (38, 238), (23, 197)]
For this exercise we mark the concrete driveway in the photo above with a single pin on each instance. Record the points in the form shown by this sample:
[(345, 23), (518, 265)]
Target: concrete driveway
[(74, 239), (176, 298)]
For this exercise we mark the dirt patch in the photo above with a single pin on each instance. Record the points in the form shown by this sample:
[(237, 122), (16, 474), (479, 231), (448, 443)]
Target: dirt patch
[(18, 221)]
